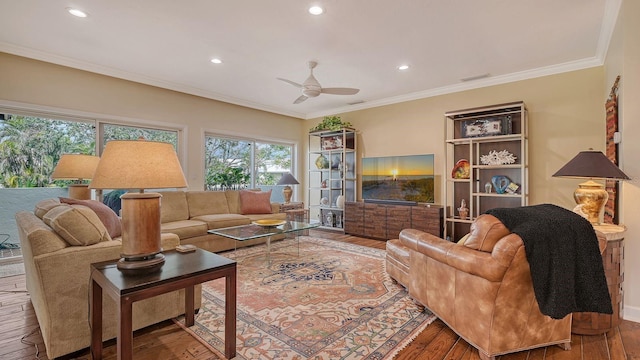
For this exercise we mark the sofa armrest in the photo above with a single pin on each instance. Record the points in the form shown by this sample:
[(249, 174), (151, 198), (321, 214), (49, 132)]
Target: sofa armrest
[(490, 266), (169, 241)]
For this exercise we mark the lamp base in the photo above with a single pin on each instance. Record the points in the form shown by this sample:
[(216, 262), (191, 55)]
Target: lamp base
[(592, 196), (287, 191), (141, 245), (79, 191), (141, 264)]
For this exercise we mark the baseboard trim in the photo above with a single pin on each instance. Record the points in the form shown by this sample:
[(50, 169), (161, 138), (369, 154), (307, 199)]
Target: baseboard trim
[(631, 313)]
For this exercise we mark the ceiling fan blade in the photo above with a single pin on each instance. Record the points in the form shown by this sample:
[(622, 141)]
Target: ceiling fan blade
[(290, 82), (340, 91), (300, 99)]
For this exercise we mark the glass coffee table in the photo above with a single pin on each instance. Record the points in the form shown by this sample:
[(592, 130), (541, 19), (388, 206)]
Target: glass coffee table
[(253, 231)]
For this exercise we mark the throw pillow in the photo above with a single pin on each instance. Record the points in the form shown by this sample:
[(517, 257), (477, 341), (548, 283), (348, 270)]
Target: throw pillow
[(43, 206), (76, 224), (463, 239), (107, 216), (255, 202)]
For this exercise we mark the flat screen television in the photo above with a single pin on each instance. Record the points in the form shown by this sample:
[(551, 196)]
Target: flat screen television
[(407, 178)]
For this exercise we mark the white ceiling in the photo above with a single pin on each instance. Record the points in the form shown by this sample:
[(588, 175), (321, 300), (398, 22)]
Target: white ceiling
[(357, 43)]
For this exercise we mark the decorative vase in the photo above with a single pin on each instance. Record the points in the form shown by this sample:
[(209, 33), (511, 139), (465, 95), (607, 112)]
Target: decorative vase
[(463, 211), (500, 183), (461, 170), (340, 202), (322, 162)]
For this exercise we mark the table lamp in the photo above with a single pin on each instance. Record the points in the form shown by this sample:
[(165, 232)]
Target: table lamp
[(590, 194), (286, 180), (76, 167), (139, 165)]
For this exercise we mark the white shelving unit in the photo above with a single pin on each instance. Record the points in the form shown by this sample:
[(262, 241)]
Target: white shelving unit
[(470, 134), (337, 178)]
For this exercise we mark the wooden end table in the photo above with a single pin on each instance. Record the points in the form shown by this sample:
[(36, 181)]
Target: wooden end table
[(589, 323), (180, 271)]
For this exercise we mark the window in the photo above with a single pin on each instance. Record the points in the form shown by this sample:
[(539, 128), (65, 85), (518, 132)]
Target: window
[(233, 163), (30, 148), (123, 132)]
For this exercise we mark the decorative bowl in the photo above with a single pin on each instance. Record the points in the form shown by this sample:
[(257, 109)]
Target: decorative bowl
[(269, 222)]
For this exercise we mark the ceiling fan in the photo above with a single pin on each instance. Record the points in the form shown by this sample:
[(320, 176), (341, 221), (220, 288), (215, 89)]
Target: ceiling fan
[(311, 87)]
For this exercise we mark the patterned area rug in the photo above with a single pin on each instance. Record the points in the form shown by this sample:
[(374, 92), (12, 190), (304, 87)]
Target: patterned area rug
[(332, 301)]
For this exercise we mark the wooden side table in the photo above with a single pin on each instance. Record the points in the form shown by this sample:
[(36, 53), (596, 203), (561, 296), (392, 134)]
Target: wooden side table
[(180, 271), (588, 323)]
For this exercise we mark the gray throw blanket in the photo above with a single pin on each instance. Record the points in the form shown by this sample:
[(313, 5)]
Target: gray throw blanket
[(564, 257)]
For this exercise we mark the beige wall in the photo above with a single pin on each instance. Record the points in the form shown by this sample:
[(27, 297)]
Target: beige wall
[(623, 58), (566, 115), (106, 98)]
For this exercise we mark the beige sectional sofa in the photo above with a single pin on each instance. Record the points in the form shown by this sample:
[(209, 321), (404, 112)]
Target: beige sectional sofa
[(57, 275), (190, 214)]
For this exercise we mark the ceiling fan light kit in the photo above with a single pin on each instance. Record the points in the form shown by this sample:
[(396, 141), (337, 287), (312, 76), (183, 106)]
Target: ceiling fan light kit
[(312, 88)]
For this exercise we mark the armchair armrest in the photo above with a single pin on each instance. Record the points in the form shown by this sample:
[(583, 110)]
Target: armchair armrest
[(490, 266)]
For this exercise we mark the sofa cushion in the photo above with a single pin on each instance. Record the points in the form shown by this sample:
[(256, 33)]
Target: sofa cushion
[(233, 201), (185, 228), (255, 202), (207, 202), (43, 207), (109, 218), (485, 232), (78, 225), (217, 221), (173, 206)]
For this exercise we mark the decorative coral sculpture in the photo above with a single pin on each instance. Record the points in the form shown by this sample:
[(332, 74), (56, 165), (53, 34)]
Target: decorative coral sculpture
[(498, 158)]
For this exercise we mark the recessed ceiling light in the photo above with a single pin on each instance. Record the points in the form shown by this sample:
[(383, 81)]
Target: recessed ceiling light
[(216, 61), (78, 13), (403, 67), (316, 10)]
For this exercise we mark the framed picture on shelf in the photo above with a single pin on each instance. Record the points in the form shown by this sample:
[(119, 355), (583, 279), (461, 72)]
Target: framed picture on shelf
[(486, 127)]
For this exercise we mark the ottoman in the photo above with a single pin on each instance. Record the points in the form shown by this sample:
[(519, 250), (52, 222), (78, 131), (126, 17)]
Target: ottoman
[(397, 261)]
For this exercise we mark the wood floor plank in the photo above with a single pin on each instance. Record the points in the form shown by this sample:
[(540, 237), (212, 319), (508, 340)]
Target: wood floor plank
[(458, 350), (558, 353), (614, 341), (168, 341), (630, 334), (441, 344), (594, 347), (417, 346)]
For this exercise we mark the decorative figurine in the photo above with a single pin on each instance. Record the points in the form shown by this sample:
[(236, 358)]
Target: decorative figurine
[(487, 187), (463, 211)]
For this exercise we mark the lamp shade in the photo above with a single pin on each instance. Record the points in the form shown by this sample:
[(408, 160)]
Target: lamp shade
[(591, 165), (288, 179), (75, 167), (138, 164)]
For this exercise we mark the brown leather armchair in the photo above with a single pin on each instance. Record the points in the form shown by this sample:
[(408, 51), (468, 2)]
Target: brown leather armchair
[(481, 289)]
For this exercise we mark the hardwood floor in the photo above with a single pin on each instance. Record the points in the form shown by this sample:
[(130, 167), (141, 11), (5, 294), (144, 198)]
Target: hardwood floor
[(19, 334)]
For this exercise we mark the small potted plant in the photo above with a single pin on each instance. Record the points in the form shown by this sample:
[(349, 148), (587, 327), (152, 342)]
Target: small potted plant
[(331, 123)]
